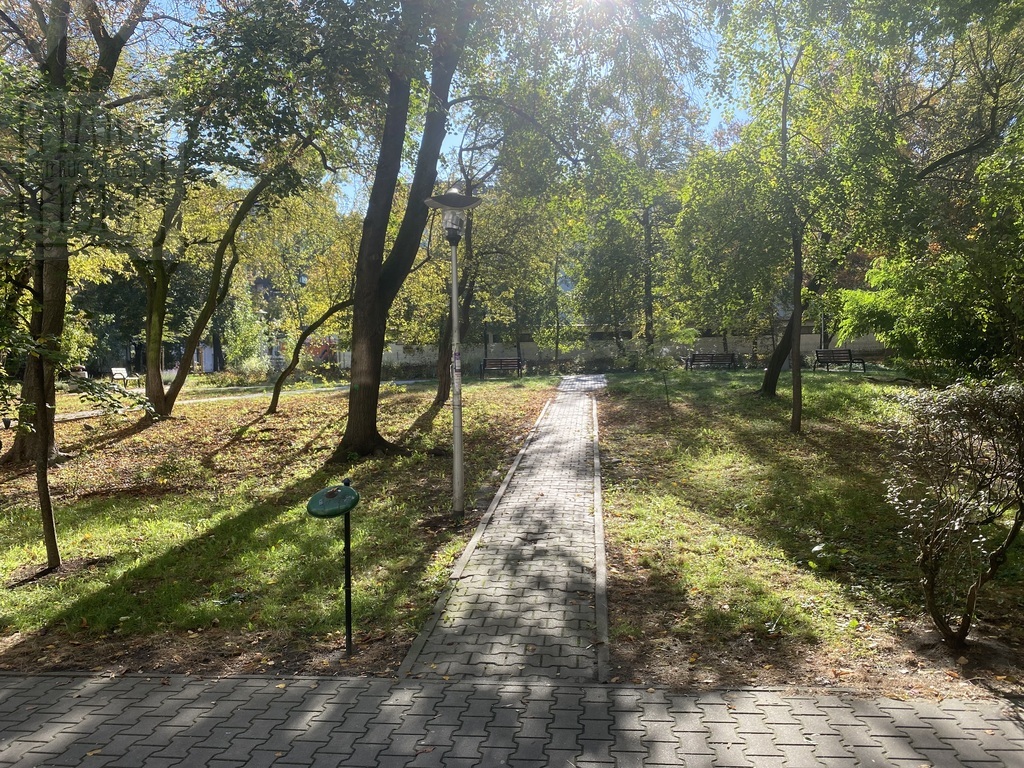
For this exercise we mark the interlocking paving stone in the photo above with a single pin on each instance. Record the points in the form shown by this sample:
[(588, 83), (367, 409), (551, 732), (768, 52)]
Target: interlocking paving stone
[(532, 565)]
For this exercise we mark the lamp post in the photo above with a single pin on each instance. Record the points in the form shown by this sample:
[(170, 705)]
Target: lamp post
[(453, 206)]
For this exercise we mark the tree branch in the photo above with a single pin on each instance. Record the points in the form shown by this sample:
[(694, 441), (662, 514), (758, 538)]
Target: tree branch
[(566, 153), (297, 351), (30, 45)]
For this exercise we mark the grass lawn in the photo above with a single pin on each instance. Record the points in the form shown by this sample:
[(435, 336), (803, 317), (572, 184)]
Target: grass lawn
[(741, 554), (188, 547)]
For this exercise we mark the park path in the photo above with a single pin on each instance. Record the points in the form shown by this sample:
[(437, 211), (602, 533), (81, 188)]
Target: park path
[(509, 672), (527, 598)]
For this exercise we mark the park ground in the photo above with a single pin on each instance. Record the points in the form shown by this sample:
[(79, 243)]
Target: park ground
[(738, 554)]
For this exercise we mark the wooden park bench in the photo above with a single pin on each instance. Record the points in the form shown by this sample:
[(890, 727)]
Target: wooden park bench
[(121, 375), (502, 365), (711, 360), (830, 357)]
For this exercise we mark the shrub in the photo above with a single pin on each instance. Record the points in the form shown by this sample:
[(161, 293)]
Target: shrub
[(958, 481)]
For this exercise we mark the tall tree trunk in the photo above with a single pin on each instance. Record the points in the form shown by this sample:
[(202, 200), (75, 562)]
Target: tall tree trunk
[(43, 372), (57, 199), (796, 230), (378, 281), (37, 390), (369, 312), (770, 383), (796, 357), (443, 366), (157, 276), (648, 267)]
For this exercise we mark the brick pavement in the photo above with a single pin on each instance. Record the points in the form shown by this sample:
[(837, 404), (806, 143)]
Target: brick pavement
[(509, 705), (525, 600), (135, 721)]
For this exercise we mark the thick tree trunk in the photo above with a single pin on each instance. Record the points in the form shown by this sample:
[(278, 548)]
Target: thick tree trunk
[(43, 375), (369, 322), (157, 284), (38, 391), (770, 383), (444, 363), (43, 424), (378, 281)]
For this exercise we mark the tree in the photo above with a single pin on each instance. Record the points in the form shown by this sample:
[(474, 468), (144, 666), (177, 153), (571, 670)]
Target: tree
[(75, 155), (730, 244), (650, 127), (547, 40), (257, 99), (311, 256), (378, 279), (943, 291), (809, 73)]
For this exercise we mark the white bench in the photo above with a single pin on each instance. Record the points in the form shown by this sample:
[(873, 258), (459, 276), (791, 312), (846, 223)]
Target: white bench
[(122, 375)]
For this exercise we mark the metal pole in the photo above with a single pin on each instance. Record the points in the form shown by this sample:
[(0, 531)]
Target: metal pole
[(348, 586), (458, 482)]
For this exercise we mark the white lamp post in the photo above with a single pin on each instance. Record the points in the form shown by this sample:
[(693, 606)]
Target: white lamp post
[(453, 206)]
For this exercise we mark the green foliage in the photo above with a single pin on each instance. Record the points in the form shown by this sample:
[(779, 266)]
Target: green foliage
[(111, 398), (729, 252), (958, 482), (245, 338), (15, 344), (71, 165), (77, 341)]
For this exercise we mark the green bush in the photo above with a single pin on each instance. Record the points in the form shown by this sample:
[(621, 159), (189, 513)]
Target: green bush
[(958, 481)]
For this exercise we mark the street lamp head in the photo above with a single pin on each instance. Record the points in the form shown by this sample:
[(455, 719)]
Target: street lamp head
[(454, 222), (453, 206)]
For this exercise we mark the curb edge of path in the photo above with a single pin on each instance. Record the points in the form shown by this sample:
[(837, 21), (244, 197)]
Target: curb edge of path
[(600, 562)]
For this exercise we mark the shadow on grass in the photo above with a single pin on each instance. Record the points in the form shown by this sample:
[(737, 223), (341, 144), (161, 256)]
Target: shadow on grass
[(818, 497), (424, 423), (210, 579)]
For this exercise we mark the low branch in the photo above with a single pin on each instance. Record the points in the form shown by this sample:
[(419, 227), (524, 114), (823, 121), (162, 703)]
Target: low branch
[(297, 352), (134, 98)]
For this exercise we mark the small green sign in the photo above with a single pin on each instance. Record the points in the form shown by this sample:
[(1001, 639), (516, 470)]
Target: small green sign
[(333, 501)]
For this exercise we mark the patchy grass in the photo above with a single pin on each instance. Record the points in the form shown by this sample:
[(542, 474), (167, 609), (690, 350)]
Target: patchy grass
[(742, 554), (188, 547)]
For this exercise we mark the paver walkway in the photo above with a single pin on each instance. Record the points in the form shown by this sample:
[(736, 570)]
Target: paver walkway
[(525, 601), (518, 638)]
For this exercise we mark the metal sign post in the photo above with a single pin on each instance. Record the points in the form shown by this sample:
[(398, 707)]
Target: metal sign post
[(335, 501)]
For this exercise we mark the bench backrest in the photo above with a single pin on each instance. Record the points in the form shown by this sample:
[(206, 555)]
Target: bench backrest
[(703, 357), (119, 373), (834, 355)]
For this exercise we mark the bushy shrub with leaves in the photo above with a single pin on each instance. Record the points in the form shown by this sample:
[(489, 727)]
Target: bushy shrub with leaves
[(958, 480)]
